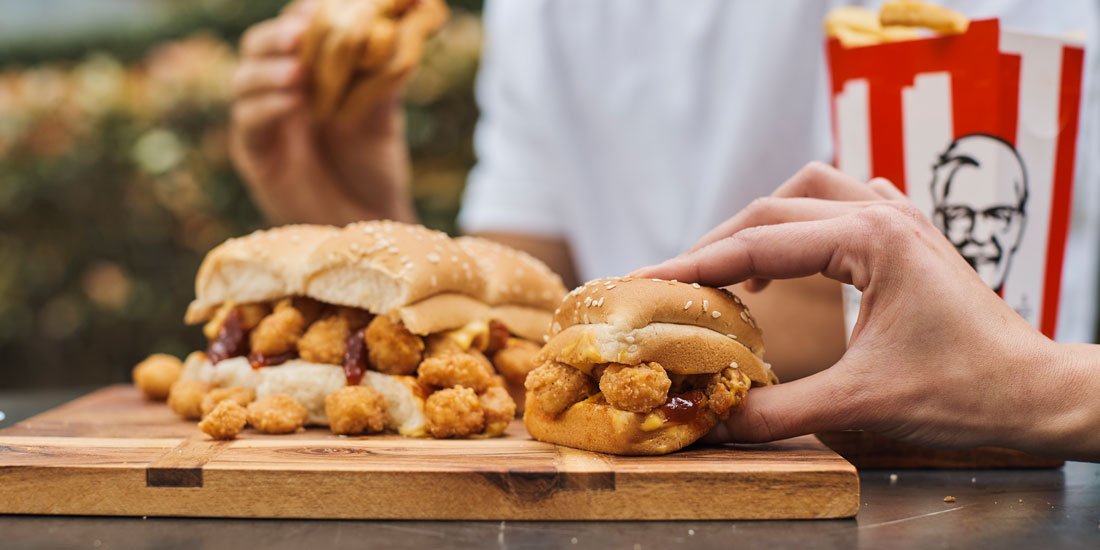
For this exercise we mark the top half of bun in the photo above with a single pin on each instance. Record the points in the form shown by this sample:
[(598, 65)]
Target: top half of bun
[(687, 328), (383, 265), (379, 266), (632, 303), (261, 266), (514, 277)]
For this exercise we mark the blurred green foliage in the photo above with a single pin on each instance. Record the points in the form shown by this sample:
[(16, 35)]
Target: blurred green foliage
[(115, 180)]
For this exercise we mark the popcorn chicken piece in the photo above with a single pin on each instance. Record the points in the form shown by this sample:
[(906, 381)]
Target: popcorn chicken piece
[(155, 375), (726, 390), (353, 410), (517, 358), (450, 369), (279, 332), (499, 410), (250, 315), (454, 412), (225, 421), (325, 341), (640, 388), (185, 398), (391, 348), (277, 414), (237, 394), (556, 387)]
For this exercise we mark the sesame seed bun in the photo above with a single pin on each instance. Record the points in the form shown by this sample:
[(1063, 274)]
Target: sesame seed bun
[(527, 322), (441, 312), (513, 277), (687, 328), (262, 266), (380, 266)]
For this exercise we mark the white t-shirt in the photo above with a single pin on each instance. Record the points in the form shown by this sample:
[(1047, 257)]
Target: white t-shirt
[(631, 127)]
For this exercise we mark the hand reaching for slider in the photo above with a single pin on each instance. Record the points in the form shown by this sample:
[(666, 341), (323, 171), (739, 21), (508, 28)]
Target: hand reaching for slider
[(936, 358), (354, 166)]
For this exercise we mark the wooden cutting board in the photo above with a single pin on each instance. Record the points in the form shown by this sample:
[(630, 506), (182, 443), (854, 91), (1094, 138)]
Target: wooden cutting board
[(112, 453)]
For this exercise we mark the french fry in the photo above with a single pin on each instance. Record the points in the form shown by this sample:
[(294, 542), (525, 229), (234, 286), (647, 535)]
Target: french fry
[(917, 13)]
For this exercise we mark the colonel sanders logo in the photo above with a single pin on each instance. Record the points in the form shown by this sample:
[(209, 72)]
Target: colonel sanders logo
[(979, 195)]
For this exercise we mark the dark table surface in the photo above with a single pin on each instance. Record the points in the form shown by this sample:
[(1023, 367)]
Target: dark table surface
[(993, 509)]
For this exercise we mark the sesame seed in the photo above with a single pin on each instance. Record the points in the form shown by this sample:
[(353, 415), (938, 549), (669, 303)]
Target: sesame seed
[(587, 301), (545, 338), (435, 281), (454, 258), (433, 257), (600, 303), (656, 280), (557, 311), (557, 327), (630, 339), (744, 316), (695, 285), (733, 364), (632, 349), (392, 250), (687, 305), (586, 318), (734, 336), (716, 314), (403, 259), (706, 304)]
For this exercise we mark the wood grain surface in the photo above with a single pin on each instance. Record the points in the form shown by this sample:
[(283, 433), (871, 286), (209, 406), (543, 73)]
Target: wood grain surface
[(112, 453)]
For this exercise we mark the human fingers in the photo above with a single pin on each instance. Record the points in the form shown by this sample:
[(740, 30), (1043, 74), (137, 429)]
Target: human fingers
[(828, 400), (815, 180), (252, 117), (772, 210), (886, 189), (821, 181), (781, 251), (270, 74), (279, 36)]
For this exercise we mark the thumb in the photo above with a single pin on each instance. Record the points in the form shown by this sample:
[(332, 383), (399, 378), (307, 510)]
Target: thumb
[(828, 400)]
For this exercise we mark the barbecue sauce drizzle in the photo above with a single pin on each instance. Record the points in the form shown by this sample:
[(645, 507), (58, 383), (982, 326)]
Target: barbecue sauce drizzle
[(231, 341), (355, 358), (684, 408)]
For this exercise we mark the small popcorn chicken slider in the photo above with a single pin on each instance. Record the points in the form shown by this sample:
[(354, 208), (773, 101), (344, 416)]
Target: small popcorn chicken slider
[(643, 366)]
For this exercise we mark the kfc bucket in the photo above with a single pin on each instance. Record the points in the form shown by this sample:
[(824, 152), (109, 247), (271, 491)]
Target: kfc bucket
[(979, 130)]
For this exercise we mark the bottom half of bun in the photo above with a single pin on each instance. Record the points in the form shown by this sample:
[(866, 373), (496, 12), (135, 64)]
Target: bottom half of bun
[(594, 425), (309, 383)]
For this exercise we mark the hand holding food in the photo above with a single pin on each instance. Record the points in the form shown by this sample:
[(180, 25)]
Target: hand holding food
[(349, 167), (933, 344), (358, 50)]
